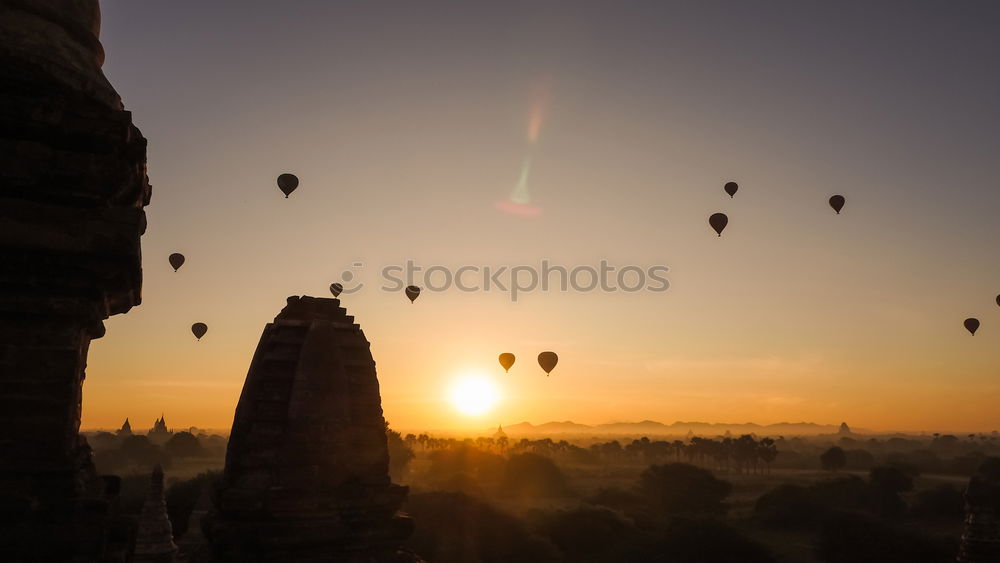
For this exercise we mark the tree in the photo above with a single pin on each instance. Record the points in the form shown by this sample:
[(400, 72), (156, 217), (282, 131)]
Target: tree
[(704, 541), (678, 449), (682, 488), (787, 506), (797, 506), (184, 444), (461, 459), (858, 538), (615, 498), (455, 528), (138, 450), (103, 441), (502, 443), (400, 454), (887, 483), (587, 534), (833, 459), (767, 451), (745, 451), (891, 480), (182, 496), (944, 503), (532, 475), (859, 459)]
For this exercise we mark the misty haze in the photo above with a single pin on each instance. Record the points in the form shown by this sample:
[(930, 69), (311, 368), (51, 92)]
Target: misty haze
[(499, 282)]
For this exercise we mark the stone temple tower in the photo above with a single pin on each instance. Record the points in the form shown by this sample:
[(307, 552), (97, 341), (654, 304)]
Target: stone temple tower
[(307, 469)]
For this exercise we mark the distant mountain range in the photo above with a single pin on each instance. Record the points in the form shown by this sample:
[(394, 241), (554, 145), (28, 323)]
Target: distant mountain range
[(653, 428)]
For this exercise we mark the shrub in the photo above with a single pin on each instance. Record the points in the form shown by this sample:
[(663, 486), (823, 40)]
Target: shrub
[(184, 444), (454, 528), (182, 495), (787, 505), (531, 475), (943, 502), (587, 534), (833, 459), (465, 460), (615, 498), (705, 541), (857, 538), (682, 488)]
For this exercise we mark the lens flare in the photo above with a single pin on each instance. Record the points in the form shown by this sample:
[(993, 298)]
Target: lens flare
[(520, 194), (537, 113), (519, 202), (518, 208)]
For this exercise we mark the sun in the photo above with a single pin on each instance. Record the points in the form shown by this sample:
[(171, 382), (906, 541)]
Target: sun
[(474, 395)]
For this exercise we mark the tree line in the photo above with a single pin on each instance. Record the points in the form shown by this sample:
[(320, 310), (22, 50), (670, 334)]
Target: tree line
[(744, 454)]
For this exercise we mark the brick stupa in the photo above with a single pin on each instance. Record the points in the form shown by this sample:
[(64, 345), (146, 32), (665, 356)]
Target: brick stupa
[(307, 469)]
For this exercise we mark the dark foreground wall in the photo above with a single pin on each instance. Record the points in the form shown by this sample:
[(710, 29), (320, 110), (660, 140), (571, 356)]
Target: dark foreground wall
[(72, 190), (981, 536)]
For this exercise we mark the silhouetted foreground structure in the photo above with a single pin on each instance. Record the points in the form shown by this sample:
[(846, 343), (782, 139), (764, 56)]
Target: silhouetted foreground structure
[(981, 537), (193, 547), (154, 542), (72, 189), (307, 469)]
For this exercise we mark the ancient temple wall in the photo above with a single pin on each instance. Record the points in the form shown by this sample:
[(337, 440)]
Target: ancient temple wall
[(72, 190)]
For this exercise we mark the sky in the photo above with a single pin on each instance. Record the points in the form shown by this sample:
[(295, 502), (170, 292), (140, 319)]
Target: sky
[(417, 128)]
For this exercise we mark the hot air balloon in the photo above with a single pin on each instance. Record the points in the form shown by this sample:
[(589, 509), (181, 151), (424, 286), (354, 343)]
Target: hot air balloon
[(548, 361), (287, 183), (837, 203), (506, 360), (336, 288), (731, 188), (998, 300), (972, 325), (412, 292), (176, 260), (718, 221), (199, 330)]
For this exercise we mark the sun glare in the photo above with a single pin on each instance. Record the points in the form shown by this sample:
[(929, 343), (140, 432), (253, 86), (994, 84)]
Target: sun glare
[(474, 395)]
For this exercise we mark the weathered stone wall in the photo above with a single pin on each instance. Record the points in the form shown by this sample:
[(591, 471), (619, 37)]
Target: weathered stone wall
[(981, 535), (72, 189), (307, 469)]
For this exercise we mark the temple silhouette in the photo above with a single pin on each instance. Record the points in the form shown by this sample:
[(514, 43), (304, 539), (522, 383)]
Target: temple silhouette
[(307, 468), (159, 433)]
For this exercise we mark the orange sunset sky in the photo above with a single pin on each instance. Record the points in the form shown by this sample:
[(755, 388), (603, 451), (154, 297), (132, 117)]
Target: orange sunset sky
[(406, 125)]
